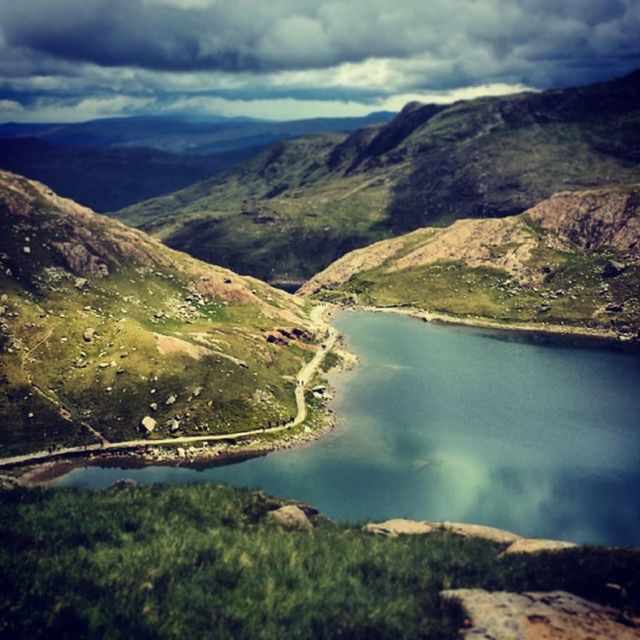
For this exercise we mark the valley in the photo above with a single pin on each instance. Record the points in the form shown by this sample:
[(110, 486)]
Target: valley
[(299, 205)]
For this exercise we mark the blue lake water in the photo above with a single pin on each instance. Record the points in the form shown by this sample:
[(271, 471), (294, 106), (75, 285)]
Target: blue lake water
[(446, 423)]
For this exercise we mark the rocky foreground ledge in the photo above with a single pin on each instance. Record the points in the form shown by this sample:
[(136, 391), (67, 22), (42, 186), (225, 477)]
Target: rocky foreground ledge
[(556, 615), (516, 543), (502, 615)]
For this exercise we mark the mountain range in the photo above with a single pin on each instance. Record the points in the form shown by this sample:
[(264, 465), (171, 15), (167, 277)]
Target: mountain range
[(112, 163), (297, 206)]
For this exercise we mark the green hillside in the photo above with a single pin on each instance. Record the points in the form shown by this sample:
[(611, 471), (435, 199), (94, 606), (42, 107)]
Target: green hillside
[(572, 260), (296, 207), (101, 326), (209, 562)]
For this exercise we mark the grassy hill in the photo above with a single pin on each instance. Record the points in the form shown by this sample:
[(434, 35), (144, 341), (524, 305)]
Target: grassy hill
[(293, 209), (573, 259), (101, 325), (208, 562)]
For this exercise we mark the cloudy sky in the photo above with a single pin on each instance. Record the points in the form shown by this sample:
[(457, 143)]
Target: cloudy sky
[(69, 60)]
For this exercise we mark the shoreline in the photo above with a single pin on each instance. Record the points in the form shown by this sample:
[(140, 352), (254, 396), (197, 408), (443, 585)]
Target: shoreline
[(201, 455), (204, 454), (609, 336), (229, 449)]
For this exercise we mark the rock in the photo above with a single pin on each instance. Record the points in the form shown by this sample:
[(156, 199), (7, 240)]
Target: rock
[(26, 249), (174, 425), (125, 483), (480, 531), (104, 365), (7, 483), (171, 400), (89, 334), (614, 308), (153, 406), (181, 452), (533, 545), (399, 526), (557, 614), (613, 268), (148, 424), (196, 392), (291, 517), (80, 283)]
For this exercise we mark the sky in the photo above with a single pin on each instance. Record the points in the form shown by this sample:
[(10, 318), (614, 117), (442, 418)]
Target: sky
[(73, 60)]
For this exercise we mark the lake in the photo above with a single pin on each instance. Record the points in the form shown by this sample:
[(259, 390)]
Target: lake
[(450, 423)]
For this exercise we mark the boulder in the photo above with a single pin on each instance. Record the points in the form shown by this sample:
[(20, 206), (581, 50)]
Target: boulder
[(148, 425), (533, 545), (125, 483), (89, 334), (480, 531), (399, 526), (80, 283), (291, 517), (613, 268), (555, 614), (171, 400)]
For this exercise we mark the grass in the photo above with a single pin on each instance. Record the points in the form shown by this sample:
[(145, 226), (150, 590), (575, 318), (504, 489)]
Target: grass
[(296, 207), (54, 382), (204, 561)]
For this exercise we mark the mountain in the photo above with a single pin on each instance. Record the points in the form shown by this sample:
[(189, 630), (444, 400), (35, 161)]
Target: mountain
[(181, 135), (299, 205), (101, 326), (108, 178), (573, 259)]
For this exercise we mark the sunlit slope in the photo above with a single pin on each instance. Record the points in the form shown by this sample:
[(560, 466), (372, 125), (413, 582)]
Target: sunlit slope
[(572, 259), (101, 325)]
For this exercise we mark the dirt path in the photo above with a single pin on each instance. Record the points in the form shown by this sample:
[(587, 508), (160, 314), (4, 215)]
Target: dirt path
[(304, 376)]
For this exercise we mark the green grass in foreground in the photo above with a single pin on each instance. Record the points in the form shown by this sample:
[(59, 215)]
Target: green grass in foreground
[(204, 562)]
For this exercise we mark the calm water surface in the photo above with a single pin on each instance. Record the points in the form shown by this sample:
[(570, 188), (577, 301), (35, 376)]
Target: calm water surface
[(458, 424)]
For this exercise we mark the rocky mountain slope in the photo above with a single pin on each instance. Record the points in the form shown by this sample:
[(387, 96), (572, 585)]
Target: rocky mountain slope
[(102, 326), (301, 204), (574, 259)]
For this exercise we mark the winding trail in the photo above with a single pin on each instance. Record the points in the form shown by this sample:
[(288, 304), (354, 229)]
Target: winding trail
[(304, 376)]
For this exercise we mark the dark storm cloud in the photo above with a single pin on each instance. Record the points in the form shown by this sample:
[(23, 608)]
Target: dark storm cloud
[(460, 41)]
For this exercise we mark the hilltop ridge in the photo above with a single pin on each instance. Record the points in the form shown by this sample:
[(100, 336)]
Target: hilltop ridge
[(299, 205)]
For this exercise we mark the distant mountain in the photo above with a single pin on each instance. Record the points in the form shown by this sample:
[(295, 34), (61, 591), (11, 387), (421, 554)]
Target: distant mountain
[(573, 259), (299, 205), (182, 136), (108, 178), (102, 326)]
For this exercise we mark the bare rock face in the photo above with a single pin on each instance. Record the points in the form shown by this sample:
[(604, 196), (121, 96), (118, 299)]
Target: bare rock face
[(533, 545), (399, 526), (80, 260), (291, 517), (594, 219), (556, 615)]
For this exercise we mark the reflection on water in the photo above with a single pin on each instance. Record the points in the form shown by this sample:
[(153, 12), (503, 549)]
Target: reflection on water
[(450, 423)]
